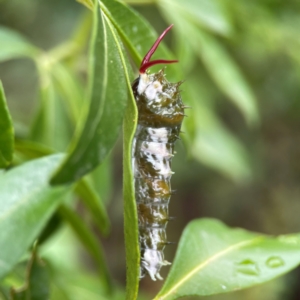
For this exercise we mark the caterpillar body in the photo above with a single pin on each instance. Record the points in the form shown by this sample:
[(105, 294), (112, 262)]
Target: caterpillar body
[(160, 114)]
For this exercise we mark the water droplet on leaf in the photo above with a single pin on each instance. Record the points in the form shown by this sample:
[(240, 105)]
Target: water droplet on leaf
[(274, 262), (248, 267)]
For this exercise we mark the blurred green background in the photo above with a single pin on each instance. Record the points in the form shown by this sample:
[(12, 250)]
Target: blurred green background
[(239, 160)]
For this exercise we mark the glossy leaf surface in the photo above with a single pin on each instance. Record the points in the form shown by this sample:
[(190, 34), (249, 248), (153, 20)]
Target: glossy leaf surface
[(213, 258), (27, 202)]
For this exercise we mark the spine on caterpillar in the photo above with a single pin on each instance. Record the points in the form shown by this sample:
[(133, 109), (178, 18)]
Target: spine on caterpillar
[(160, 114)]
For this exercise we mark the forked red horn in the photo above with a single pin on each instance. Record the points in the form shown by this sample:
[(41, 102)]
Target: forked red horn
[(146, 63)]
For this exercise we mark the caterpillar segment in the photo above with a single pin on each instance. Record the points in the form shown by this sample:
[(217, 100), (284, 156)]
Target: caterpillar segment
[(160, 115)]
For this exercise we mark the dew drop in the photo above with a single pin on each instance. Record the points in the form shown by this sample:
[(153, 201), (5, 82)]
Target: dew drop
[(224, 287), (274, 262), (248, 267)]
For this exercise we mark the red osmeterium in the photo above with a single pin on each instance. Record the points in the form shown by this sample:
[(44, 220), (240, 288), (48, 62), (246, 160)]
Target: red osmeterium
[(146, 63)]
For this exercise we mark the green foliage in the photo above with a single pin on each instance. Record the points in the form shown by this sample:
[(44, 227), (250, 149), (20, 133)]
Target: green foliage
[(84, 98), (27, 202)]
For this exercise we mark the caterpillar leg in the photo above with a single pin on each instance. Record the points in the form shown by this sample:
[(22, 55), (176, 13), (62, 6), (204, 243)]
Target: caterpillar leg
[(165, 263), (159, 277)]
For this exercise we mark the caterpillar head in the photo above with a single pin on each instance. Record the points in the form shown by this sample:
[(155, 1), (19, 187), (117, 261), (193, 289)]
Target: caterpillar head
[(159, 102)]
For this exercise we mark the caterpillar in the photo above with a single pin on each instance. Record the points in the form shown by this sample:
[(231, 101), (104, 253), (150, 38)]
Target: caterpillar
[(160, 114)]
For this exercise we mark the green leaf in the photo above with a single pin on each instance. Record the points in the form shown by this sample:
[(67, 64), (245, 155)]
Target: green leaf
[(6, 132), (90, 242), (27, 203), (95, 205), (210, 14), (213, 258), (109, 78), (13, 45), (37, 281)]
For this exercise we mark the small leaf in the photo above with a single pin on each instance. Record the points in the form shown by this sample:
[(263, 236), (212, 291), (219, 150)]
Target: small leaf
[(37, 281), (213, 258), (13, 45), (209, 13), (109, 79), (27, 203), (6, 132)]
